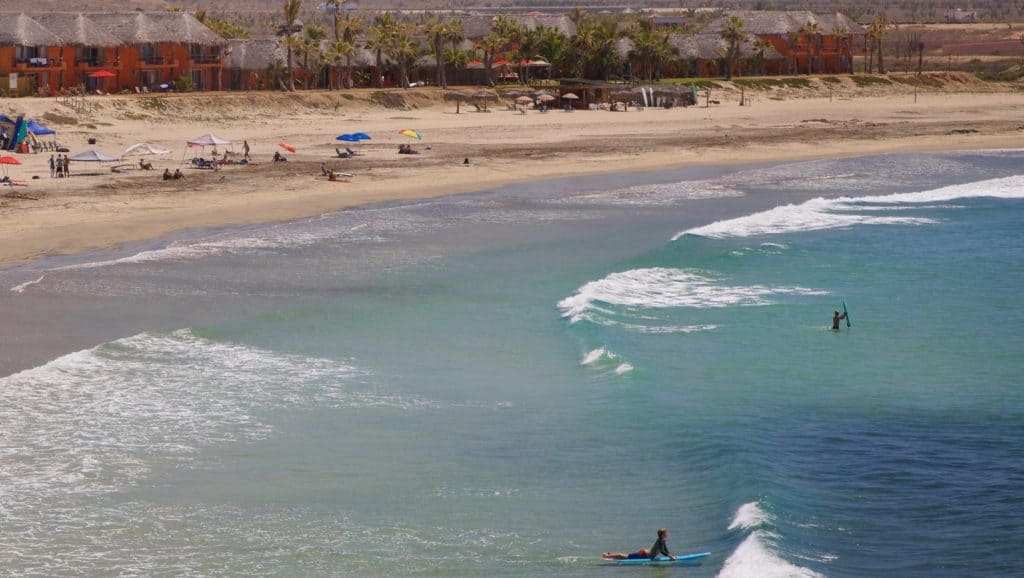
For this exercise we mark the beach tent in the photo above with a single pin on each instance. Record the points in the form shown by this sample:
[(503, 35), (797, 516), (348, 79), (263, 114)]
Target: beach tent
[(93, 156), (143, 148), (38, 129), (208, 139)]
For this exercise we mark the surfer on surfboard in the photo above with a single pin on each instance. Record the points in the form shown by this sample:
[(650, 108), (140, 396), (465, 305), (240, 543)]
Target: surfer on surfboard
[(660, 548)]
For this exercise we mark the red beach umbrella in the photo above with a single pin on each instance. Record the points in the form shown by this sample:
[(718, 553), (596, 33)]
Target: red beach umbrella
[(8, 161), (102, 74), (286, 146)]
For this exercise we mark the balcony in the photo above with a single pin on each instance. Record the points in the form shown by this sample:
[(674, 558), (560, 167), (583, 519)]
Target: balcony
[(156, 62), (38, 64), (205, 58)]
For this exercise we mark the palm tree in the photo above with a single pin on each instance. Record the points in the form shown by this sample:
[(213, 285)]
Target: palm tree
[(877, 30), (291, 15), (761, 46), (651, 51), (404, 50), (314, 34), (334, 6), (553, 46), (734, 35), (380, 40), (350, 30), (812, 34), (842, 36), (438, 31), (490, 46)]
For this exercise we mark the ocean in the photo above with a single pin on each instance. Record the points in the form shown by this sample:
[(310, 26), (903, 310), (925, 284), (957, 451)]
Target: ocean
[(510, 382)]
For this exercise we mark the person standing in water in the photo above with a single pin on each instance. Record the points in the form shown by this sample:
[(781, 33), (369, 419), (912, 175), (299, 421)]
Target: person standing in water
[(836, 318)]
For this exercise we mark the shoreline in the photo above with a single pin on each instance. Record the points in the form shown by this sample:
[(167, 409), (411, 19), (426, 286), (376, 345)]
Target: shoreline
[(72, 216)]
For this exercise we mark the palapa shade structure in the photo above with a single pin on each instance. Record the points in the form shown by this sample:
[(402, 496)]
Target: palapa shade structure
[(77, 30), (21, 30), (157, 27)]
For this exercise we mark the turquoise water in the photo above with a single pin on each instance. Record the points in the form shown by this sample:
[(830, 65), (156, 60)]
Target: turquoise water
[(511, 382)]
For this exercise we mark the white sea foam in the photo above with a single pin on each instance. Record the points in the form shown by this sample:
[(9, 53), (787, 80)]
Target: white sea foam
[(623, 368), (749, 516), (21, 288), (756, 556), (596, 355), (655, 195), (92, 420), (820, 214), (665, 287)]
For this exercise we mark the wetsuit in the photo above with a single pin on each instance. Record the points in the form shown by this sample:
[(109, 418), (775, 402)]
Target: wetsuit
[(660, 548)]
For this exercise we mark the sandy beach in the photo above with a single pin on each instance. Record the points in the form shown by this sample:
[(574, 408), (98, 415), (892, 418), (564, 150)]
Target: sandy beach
[(105, 209)]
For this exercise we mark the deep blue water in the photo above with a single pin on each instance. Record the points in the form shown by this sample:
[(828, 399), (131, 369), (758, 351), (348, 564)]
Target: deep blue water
[(511, 382)]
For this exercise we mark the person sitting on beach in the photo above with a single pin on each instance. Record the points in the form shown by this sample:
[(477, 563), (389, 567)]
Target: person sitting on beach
[(278, 157), (145, 166), (340, 154), (323, 170), (178, 174), (836, 318), (167, 175)]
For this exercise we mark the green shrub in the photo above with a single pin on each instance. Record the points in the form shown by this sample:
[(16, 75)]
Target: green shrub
[(864, 80)]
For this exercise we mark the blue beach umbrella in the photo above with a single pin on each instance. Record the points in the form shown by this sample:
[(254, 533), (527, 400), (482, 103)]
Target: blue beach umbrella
[(348, 138), (362, 136)]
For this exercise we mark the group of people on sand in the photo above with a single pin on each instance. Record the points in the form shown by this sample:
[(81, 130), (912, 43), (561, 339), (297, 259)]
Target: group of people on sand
[(406, 149), (177, 175), (60, 166)]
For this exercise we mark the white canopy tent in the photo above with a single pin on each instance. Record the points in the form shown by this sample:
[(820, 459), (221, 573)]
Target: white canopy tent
[(143, 148)]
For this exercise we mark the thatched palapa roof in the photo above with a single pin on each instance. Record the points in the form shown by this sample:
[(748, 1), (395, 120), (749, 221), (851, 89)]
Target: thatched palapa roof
[(781, 23), (20, 30), (155, 27), (254, 54), (76, 29)]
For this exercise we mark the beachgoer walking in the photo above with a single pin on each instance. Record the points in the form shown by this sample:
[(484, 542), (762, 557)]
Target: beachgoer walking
[(245, 150)]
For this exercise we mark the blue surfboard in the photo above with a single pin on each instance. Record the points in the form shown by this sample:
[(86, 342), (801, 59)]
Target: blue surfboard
[(687, 560), (847, 313)]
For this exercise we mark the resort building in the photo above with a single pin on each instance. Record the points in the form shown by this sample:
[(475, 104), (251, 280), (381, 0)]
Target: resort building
[(55, 52), (807, 43)]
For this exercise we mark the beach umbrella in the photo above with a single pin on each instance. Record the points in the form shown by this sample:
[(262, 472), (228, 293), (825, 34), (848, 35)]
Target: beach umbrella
[(570, 96), (410, 133), (93, 156), (545, 98), (38, 129), (143, 148), (4, 161), (286, 146), (524, 99), (362, 136), (208, 139), (102, 75), (347, 138)]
